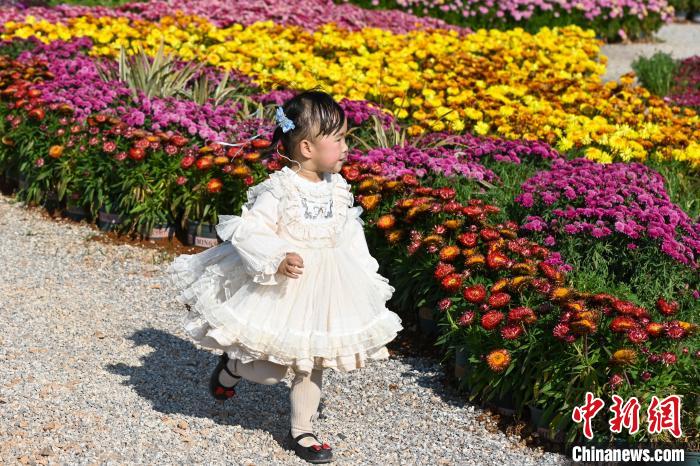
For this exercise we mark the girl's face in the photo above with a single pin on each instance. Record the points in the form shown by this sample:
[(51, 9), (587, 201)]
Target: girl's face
[(330, 151)]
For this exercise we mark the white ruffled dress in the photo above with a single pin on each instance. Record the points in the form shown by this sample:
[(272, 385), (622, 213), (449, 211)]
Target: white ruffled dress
[(332, 316)]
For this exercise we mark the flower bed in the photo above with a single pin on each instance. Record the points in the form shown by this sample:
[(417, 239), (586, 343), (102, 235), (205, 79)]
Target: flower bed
[(613, 21), (435, 80), (686, 84)]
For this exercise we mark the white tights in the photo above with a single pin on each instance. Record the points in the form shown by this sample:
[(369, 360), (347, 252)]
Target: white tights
[(304, 396)]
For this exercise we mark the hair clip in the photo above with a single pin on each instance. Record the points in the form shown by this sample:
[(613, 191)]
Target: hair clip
[(283, 121)]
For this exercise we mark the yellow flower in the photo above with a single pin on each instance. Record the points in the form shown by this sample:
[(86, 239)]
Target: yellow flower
[(519, 89), (481, 128)]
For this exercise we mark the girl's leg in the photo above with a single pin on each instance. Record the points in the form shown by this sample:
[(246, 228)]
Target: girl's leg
[(304, 397), (264, 372)]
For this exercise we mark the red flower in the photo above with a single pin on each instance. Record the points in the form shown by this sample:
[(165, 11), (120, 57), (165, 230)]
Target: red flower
[(561, 331), (666, 308), (669, 358), (489, 234), (187, 161), (452, 282), (444, 304), (499, 299), (622, 324), (491, 319), (549, 271), (472, 211), (446, 193), (511, 332), (442, 270), (468, 240), (497, 260), (615, 381), (624, 307), (466, 319), (522, 314), (475, 294), (675, 332), (637, 335)]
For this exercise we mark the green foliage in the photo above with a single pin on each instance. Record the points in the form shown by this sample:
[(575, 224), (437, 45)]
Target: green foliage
[(156, 78), (656, 73)]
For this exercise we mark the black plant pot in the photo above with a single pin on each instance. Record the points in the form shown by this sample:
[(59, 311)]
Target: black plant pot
[(107, 221), (161, 231), (505, 404), (202, 234), (22, 181), (460, 362), (75, 213), (535, 417), (50, 202), (427, 323), (7, 184)]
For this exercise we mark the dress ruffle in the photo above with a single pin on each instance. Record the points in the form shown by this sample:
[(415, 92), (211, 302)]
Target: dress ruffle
[(333, 316)]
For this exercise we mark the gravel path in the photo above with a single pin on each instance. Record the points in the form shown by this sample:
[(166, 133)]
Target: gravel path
[(94, 369), (681, 40)]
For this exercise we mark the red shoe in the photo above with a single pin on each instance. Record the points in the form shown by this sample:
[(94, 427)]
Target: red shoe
[(217, 390)]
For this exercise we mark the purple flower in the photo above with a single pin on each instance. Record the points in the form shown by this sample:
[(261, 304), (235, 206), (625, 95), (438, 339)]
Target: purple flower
[(627, 200)]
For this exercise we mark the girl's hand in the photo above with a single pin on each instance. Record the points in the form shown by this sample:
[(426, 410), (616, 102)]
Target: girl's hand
[(292, 265)]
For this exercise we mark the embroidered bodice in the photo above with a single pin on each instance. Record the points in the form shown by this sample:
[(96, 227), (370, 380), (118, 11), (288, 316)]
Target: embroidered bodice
[(309, 214)]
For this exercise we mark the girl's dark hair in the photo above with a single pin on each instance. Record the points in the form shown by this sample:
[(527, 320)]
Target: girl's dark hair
[(314, 113)]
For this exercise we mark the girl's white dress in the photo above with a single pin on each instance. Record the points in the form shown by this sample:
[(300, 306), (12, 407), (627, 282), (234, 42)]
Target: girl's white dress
[(332, 316)]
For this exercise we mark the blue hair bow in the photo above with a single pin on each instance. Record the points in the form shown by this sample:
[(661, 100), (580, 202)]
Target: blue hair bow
[(283, 121)]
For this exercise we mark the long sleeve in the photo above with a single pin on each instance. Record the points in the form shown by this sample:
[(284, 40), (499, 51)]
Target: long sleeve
[(354, 237), (254, 235)]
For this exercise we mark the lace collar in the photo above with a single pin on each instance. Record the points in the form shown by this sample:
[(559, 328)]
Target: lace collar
[(308, 185)]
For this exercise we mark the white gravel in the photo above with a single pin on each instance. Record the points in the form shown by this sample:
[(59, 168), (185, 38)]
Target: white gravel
[(94, 369)]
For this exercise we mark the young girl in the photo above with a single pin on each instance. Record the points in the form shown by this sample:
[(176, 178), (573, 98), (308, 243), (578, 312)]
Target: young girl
[(293, 285)]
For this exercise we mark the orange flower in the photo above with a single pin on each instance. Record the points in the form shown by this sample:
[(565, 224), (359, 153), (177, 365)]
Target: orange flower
[(214, 185), (369, 202), (449, 253), (368, 185), (583, 327), (623, 357), (433, 240), (499, 285), (394, 236), (523, 268), (654, 328), (498, 360), (517, 283), (560, 293), (386, 222), (453, 224), (241, 171), (55, 151), (475, 260)]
